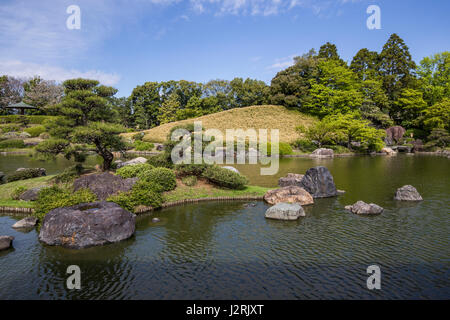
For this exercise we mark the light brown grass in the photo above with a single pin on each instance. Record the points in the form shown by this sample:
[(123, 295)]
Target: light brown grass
[(256, 117)]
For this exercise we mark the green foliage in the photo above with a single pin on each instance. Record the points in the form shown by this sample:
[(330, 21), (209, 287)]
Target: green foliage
[(283, 149), (18, 192), (70, 173), (36, 130), (12, 143), (225, 178), (138, 136), (437, 116), (25, 174), (31, 119), (189, 181), (162, 176), (438, 138), (10, 128), (143, 193), (143, 146), (434, 74), (57, 197), (191, 169), (305, 145), (161, 160), (132, 171)]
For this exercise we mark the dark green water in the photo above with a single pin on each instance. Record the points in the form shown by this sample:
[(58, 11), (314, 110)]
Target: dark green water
[(229, 251)]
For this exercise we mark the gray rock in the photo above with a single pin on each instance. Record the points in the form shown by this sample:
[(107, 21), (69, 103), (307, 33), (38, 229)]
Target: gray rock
[(2, 177), (31, 195), (340, 192), (104, 184), (159, 146), (231, 169), (131, 162), (319, 182), (292, 179), (323, 153), (360, 207), (285, 211), (6, 242), (28, 222), (86, 225), (155, 220), (407, 193), (290, 194)]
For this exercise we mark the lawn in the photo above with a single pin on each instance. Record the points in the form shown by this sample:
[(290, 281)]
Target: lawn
[(256, 117), (7, 189)]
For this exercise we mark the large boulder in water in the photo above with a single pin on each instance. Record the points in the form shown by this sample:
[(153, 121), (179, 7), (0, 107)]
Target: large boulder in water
[(104, 184), (285, 211), (394, 134), (360, 207), (6, 242), (86, 225), (319, 182), (407, 193), (292, 194), (292, 179)]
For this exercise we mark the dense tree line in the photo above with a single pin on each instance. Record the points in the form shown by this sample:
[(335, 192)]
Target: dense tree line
[(385, 88)]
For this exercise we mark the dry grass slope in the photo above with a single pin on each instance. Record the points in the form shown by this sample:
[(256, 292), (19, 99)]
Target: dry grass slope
[(256, 117)]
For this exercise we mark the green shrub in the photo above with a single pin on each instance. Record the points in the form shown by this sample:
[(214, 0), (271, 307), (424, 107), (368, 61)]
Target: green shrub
[(56, 197), (161, 160), (35, 131), (28, 119), (12, 143), (143, 193), (225, 178), (438, 138), (191, 169), (69, 174), (25, 174), (305, 145), (143, 146), (162, 176), (18, 192), (283, 149), (44, 135), (190, 181), (10, 128), (132, 171), (138, 136)]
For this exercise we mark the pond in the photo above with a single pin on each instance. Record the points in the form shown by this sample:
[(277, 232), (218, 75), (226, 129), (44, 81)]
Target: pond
[(227, 250)]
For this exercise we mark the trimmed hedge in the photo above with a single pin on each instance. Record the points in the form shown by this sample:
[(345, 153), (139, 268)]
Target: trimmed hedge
[(143, 193), (162, 176), (22, 118), (191, 169), (55, 197), (35, 131), (189, 181), (161, 160), (143, 146), (225, 178), (25, 174), (12, 143), (132, 171)]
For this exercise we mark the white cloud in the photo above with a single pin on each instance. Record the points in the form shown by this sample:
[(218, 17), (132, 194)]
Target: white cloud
[(282, 63), (21, 69)]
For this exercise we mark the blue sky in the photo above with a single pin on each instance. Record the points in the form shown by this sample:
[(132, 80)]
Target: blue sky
[(125, 43)]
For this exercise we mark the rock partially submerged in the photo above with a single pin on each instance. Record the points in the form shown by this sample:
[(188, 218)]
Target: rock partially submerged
[(104, 184), (28, 222), (32, 194), (292, 194), (360, 207), (6, 242), (138, 160), (285, 211), (319, 182), (323, 153), (86, 225), (407, 193), (388, 151), (292, 179)]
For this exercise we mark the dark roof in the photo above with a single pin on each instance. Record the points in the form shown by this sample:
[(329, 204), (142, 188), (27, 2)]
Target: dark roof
[(21, 105)]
